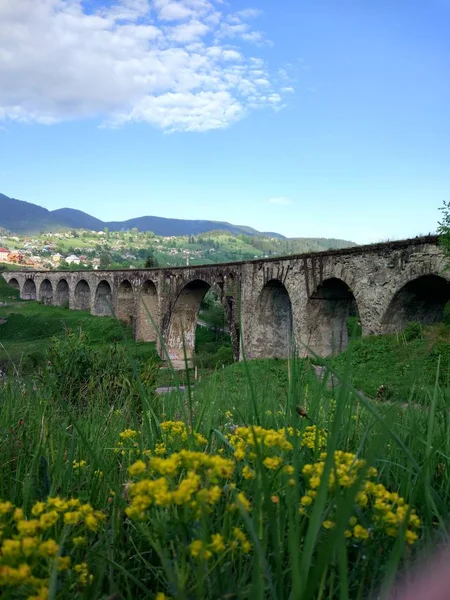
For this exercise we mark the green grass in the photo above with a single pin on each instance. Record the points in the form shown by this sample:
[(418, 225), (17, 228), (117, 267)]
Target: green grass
[(290, 555), (30, 327), (404, 364)]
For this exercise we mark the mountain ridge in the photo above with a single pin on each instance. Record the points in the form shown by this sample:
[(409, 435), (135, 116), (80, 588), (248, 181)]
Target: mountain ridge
[(23, 217), (26, 218)]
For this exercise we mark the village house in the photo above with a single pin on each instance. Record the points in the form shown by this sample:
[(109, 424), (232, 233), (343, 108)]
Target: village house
[(16, 257), (56, 258), (4, 254), (72, 260)]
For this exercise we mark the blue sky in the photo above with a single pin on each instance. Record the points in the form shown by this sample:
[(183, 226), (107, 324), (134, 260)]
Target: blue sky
[(310, 118)]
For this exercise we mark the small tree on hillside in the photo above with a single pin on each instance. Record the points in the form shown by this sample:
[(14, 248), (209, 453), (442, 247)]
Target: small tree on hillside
[(105, 260), (151, 262), (443, 229)]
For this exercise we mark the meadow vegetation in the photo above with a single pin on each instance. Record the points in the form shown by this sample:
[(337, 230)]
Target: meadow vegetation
[(262, 481)]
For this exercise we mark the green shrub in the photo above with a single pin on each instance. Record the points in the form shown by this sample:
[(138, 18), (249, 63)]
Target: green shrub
[(413, 331), (78, 370)]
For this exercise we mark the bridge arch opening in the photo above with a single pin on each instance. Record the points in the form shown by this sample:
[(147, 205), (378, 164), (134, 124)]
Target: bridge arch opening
[(103, 300), (82, 296), (46, 292), (423, 300), (125, 302), (274, 323), (180, 340), (147, 313), (29, 290), (327, 317), (62, 295), (14, 283)]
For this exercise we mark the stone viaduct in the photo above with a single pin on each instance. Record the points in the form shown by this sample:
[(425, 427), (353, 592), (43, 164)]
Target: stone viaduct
[(274, 307)]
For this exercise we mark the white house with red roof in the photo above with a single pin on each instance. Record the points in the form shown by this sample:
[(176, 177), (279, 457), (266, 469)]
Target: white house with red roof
[(4, 253)]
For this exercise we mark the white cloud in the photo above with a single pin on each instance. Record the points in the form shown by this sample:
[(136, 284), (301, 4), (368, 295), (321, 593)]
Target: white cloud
[(280, 200), (188, 32), (161, 61)]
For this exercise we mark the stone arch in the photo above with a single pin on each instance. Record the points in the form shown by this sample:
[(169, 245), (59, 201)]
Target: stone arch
[(82, 296), (326, 317), (62, 294), (29, 290), (46, 292), (125, 302), (272, 333), (180, 338), (147, 313), (103, 299), (422, 299), (14, 283)]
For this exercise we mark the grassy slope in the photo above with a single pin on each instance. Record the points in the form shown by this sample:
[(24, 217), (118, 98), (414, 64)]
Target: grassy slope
[(405, 364), (30, 327)]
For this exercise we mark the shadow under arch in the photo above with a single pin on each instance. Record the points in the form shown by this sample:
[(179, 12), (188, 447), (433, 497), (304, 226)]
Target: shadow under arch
[(326, 318), (180, 338), (46, 292), (62, 294), (147, 313), (422, 299), (103, 300), (125, 302), (14, 283), (272, 332), (82, 296), (29, 290)]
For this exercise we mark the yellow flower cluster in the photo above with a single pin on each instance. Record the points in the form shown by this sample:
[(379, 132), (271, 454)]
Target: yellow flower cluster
[(386, 511), (313, 438), (176, 431), (79, 465), (204, 551), (128, 434), (28, 553), (272, 442), (183, 478)]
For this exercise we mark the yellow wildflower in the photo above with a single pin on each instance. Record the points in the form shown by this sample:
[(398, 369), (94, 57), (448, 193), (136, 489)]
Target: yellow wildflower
[(10, 548), (29, 544), (248, 473), (6, 507), (128, 434), (47, 520), (198, 550), (244, 502), (79, 465), (137, 468), (410, 536), (79, 540), (217, 544), (38, 508), (48, 548), (28, 527), (64, 563), (244, 544), (360, 533), (84, 577), (72, 518), (273, 462)]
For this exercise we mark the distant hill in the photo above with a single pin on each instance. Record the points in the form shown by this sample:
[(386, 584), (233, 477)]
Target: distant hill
[(22, 217)]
